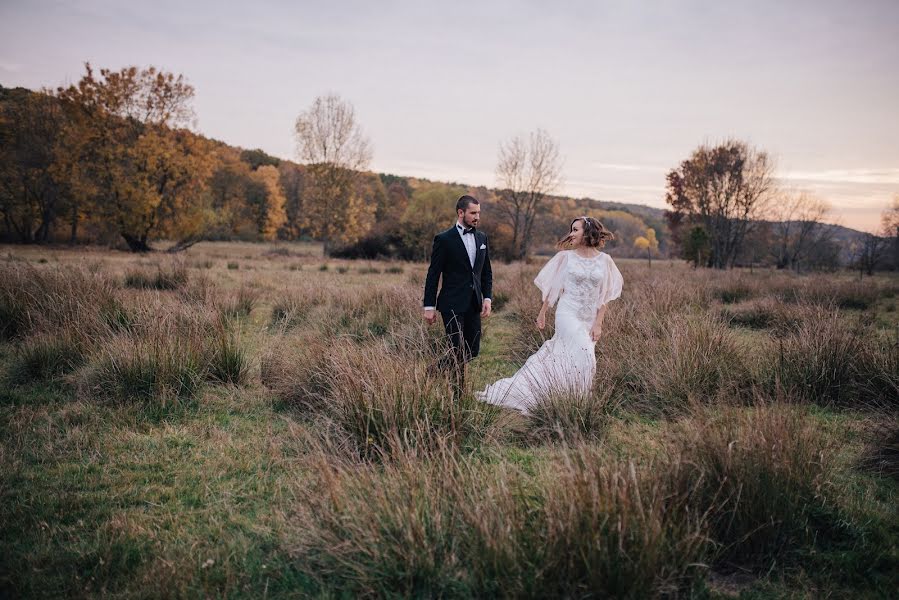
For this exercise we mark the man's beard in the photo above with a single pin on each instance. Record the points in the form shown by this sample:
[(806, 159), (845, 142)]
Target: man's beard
[(468, 223)]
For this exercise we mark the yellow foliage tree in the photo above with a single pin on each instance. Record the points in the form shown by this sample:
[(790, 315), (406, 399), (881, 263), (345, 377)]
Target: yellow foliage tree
[(143, 171), (647, 242), (274, 215)]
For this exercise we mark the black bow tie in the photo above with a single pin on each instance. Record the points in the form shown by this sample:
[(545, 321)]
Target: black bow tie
[(466, 230)]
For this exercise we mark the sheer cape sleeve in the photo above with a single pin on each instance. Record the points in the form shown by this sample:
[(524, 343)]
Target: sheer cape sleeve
[(552, 276), (612, 283)]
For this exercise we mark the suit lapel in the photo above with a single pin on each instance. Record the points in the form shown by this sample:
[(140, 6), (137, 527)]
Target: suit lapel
[(478, 253), (460, 245)]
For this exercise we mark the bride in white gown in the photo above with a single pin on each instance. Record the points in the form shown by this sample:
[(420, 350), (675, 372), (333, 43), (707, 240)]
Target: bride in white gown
[(583, 280)]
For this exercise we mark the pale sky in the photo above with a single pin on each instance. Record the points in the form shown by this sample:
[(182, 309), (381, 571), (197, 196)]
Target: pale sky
[(628, 89)]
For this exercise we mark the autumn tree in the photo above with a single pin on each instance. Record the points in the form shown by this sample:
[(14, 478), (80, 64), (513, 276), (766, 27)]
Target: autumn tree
[(528, 169), (647, 243), (31, 127), (431, 208), (695, 245), (140, 169), (626, 227), (724, 189), (332, 144), (272, 216), (293, 184)]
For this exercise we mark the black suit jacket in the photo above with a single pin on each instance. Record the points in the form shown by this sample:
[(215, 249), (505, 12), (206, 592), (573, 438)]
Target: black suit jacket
[(449, 261)]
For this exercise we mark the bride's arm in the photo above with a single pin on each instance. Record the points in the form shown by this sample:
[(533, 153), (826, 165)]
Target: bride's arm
[(597, 323), (541, 317)]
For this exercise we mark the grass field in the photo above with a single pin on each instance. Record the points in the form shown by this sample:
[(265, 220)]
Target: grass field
[(251, 420)]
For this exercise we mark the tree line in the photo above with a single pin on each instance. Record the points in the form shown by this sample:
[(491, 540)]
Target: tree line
[(727, 209), (112, 159)]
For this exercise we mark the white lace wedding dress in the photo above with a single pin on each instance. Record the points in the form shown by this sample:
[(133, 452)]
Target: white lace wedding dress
[(566, 362)]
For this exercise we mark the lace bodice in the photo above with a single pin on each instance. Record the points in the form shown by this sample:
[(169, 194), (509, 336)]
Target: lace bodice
[(580, 287)]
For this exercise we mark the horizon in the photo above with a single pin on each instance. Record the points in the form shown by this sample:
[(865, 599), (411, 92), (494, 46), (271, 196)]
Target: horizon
[(627, 91)]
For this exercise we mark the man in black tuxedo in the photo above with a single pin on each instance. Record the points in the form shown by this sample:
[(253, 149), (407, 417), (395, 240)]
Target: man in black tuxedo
[(461, 258)]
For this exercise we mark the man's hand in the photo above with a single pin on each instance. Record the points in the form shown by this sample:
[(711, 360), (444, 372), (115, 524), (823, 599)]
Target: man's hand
[(430, 316), (485, 307)]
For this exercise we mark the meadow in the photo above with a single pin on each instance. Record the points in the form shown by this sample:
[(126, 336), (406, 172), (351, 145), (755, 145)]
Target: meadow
[(257, 420)]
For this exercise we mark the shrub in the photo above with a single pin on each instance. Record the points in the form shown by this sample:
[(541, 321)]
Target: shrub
[(298, 371), (229, 362), (294, 310), (669, 365), (761, 474), (389, 399), (45, 356), (881, 454), (452, 527), (734, 291), (828, 293), (572, 416), (48, 300), (170, 278), (378, 311), (239, 303), (764, 313), (162, 361), (832, 362)]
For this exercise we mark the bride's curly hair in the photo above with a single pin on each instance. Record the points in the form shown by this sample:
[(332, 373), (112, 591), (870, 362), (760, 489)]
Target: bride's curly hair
[(595, 234)]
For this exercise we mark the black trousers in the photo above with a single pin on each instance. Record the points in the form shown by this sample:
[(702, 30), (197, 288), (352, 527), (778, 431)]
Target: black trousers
[(464, 332)]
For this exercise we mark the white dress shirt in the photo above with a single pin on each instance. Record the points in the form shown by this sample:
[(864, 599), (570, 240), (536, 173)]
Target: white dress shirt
[(469, 241)]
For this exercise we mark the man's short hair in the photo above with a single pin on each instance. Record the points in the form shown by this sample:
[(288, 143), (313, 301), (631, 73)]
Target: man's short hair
[(465, 201)]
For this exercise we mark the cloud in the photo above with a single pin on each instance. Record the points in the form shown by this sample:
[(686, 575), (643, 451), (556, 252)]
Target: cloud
[(626, 167), (858, 176)]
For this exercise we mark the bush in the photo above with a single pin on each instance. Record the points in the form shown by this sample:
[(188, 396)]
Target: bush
[(45, 356), (734, 291), (672, 364), (378, 311), (229, 362), (831, 362), (239, 303), (161, 362), (389, 399), (572, 416), (294, 310), (170, 278), (761, 474), (582, 526), (829, 293), (49, 300), (881, 455), (298, 371), (764, 313)]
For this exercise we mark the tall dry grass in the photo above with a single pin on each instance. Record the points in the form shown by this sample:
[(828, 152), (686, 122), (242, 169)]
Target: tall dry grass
[(384, 398), (832, 361), (81, 327), (761, 475), (451, 526)]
